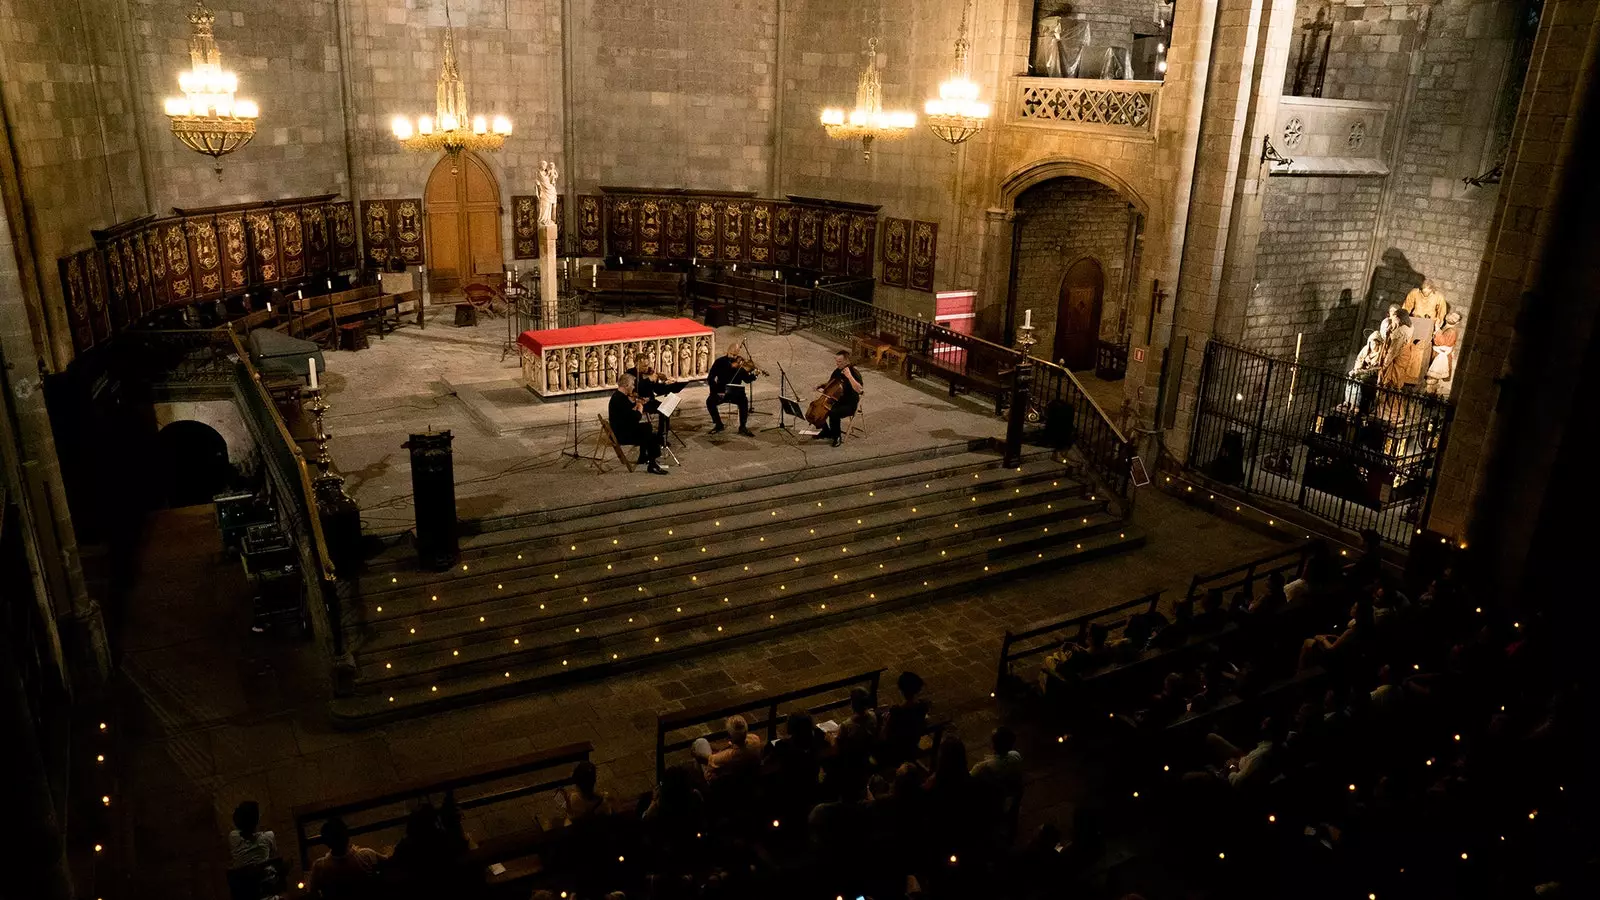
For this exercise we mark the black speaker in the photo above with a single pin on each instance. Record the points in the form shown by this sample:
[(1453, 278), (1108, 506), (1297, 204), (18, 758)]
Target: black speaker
[(1060, 424), (433, 490)]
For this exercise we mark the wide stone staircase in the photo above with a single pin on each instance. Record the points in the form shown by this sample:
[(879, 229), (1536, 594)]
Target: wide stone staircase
[(591, 590)]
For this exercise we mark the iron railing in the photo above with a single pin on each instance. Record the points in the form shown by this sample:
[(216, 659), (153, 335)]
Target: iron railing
[(1339, 447), (978, 366)]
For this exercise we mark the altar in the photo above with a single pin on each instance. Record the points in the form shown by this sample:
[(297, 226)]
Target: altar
[(562, 361)]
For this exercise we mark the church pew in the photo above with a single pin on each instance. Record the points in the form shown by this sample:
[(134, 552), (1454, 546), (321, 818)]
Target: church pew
[(965, 362), (623, 283), (383, 308), (323, 301), (376, 811), (313, 326)]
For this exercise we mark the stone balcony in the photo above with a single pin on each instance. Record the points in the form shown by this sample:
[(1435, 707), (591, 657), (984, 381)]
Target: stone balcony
[(1115, 109)]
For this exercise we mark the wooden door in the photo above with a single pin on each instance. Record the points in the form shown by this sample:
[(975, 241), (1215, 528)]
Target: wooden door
[(1078, 314), (463, 224)]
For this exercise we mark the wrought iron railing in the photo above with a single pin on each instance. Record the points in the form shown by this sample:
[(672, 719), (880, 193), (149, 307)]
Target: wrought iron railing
[(1114, 106), (983, 367), (1340, 447)]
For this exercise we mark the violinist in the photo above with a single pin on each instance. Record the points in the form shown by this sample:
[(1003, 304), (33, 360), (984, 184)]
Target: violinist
[(729, 374), (650, 385), (849, 381), (626, 415)]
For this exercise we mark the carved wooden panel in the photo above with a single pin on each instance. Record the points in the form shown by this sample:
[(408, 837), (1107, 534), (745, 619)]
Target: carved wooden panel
[(205, 256), (75, 292), (808, 238), (706, 231), (833, 239), (95, 286), (525, 227), (675, 218), (291, 245), (651, 229), (896, 252), (175, 248), (783, 245), (408, 239), (760, 242), (265, 267), (318, 242), (136, 268), (342, 215), (235, 251), (156, 252), (861, 235), (621, 226), (924, 253), (377, 233), (590, 231), (116, 284), (733, 231)]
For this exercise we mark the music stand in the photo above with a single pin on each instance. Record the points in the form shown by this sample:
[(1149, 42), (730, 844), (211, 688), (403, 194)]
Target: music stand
[(786, 405)]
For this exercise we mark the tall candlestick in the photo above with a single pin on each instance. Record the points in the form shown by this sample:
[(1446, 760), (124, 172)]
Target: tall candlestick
[(311, 363)]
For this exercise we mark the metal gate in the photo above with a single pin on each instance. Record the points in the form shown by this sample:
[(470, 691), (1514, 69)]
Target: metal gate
[(1340, 447)]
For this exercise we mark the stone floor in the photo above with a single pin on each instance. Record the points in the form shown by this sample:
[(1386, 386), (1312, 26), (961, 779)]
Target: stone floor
[(508, 442), (213, 714)]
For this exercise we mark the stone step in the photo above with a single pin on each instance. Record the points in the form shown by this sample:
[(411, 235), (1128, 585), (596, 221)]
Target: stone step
[(486, 535), (588, 560), (638, 585), (418, 694)]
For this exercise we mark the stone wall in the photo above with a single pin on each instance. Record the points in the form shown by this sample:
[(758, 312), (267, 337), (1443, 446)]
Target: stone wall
[(1311, 268), (1061, 222)]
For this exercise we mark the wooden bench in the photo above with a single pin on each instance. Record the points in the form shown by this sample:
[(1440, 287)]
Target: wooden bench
[(711, 717), (754, 299), (1040, 640), (965, 362), (384, 309), (313, 326), (381, 806), (323, 301), (624, 284)]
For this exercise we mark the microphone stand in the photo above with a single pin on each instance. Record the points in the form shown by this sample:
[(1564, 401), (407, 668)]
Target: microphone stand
[(573, 454)]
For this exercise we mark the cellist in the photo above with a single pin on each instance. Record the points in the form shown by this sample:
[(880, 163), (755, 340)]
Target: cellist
[(849, 381)]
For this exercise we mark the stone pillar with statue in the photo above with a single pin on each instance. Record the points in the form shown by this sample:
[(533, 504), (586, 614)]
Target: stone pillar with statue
[(548, 276)]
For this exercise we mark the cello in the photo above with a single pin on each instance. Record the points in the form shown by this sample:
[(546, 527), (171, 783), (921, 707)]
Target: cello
[(832, 392)]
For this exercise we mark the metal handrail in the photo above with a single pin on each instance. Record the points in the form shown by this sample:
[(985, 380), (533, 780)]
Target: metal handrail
[(308, 492)]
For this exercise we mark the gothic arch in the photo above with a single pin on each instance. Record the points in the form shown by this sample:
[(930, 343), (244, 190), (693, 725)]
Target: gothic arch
[(1040, 171)]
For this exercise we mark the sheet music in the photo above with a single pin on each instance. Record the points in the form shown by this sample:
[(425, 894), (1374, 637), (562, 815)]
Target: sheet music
[(668, 404)]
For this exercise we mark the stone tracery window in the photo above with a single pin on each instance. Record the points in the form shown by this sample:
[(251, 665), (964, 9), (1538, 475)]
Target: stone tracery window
[(1119, 40)]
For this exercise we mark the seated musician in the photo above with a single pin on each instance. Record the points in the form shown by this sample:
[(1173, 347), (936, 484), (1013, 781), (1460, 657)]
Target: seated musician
[(651, 385), (626, 415), (845, 407), (728, 376)]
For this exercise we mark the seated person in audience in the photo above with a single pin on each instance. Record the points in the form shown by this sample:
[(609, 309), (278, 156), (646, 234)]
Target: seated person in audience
[(797, 758), (1273, 599), (861, 729), (580, 801), (961, 809), (1327, 649), (740, 756), (1140, 629), (346, 870), (904, 723), (1318, 575), (1001, 771), (247, 845), (1167, 704), (1176, 633), (1246, 768), (1368, 566), (1211, 616)]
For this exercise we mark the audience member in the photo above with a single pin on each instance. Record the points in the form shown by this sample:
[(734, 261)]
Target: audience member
[(741, 756), (580, 801), (904, 723), (796, 759), (1273, 599), (248, 845), (1246, 768), (346, 870), (1002, 769), (1211, 616)]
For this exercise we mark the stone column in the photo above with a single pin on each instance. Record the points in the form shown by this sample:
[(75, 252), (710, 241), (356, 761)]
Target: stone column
[(549, 273), (1249, 40), (994, 311)]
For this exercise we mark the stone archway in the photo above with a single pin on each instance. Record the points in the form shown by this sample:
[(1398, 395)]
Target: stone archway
[(1040, 171), (195, 462), (462, 202)]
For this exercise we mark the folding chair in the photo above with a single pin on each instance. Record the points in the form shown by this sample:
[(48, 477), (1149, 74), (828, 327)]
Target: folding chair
[(611, 438)]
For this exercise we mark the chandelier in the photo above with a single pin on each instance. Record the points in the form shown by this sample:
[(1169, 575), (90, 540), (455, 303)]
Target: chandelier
[(868, 121), (207, 118), (957, 114), (450, 129)]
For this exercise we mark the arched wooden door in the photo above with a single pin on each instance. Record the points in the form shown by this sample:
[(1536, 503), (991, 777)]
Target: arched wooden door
[(463, 224), (1078, 314)]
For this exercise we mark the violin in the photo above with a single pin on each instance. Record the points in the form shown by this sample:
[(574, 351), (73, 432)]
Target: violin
[(746, 364)]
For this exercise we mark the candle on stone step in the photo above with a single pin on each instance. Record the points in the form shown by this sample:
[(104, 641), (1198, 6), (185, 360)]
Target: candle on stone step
[(269, 306), (311, 363), (1027, 318)]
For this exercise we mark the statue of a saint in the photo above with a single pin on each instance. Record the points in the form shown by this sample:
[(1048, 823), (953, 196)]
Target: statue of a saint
[(1442, 367), (547, 193), (552, 372), (685, 358), (611, 365), (702, 356), (591, 368), (1426, 302), (1402, 360)]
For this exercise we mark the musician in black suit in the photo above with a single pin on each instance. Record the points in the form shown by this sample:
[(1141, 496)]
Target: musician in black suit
[(651, 386), (626, 416), (845, 407), (727, 378)]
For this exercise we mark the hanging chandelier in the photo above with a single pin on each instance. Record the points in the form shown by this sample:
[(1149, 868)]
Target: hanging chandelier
[(868, 121), (450, 129), (958, 114), (208, 118)]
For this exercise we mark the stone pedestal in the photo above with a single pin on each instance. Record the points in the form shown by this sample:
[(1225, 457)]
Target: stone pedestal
[(549, 277)]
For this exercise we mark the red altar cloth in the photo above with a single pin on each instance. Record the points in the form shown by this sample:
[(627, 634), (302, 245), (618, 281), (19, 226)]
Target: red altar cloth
[(539, 341)]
